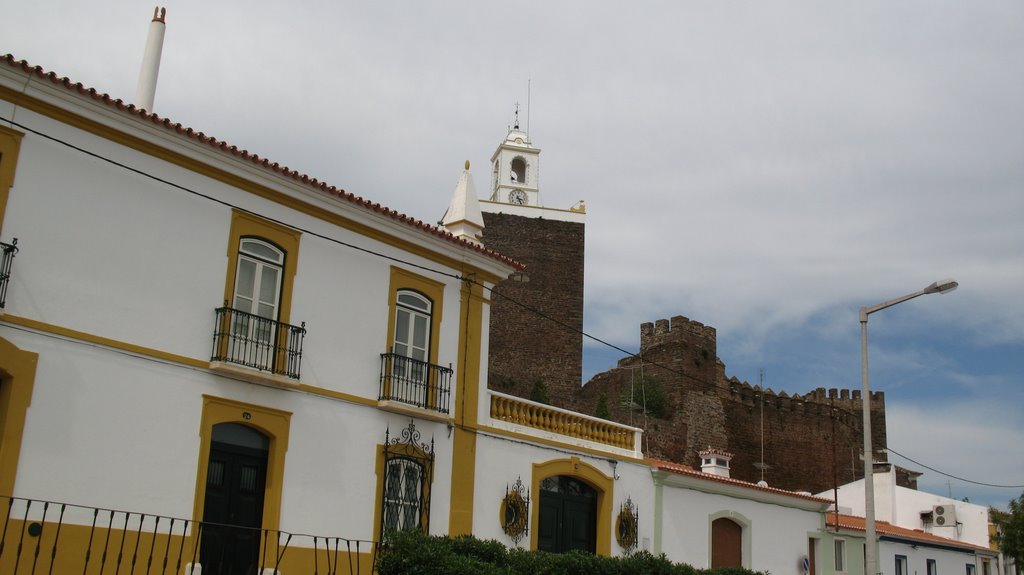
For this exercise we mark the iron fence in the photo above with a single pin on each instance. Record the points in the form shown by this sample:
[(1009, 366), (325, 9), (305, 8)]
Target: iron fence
[(40, 537)]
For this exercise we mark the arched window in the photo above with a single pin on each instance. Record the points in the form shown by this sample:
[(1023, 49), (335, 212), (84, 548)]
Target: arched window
[(403, 494), (258, 278), (412, 325)]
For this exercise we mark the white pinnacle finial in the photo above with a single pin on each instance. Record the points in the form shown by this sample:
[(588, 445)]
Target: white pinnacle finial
[(463, 218)]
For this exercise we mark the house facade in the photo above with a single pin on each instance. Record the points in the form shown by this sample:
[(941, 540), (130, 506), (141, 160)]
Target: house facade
[(193, 336)]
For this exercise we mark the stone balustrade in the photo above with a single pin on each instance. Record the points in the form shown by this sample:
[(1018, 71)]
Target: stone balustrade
[(526, 413)]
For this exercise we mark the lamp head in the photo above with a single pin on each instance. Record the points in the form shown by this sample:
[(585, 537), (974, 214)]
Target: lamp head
[(942, 286)]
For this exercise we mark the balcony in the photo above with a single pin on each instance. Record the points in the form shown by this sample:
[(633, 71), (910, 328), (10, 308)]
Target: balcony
[(258, 343), (531, 418), (407, 382), (7, 252), (47, 537)]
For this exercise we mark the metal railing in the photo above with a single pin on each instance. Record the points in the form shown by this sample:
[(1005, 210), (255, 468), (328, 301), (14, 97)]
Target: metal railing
[(7, 252), (415, 382), (46, 537), (260, 343)]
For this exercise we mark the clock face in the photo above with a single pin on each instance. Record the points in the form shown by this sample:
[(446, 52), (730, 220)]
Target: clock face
[(517, 197)]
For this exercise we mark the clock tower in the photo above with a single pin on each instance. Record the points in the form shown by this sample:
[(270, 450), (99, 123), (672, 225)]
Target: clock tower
[(515, 170)]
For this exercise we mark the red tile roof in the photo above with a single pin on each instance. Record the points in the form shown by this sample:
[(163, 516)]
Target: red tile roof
[(884, 528), (681, 469), (323, 187)]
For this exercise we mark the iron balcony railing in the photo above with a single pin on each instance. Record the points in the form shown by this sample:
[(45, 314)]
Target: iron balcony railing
[(415, 382), (260, 343), (45, 537), (6, 260)]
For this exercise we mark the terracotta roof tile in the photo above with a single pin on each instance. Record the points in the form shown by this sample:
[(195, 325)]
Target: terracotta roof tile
[(885, 528), (166, 123), (681, 469)]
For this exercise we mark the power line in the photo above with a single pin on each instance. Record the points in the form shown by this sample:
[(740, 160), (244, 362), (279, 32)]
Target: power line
[(894, 452), (472, 280)]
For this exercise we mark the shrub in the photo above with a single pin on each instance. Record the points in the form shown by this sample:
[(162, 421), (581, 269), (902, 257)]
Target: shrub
[(414, 553)]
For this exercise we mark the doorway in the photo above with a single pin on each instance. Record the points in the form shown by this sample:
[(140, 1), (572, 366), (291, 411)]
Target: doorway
[(568, 515), (726, 543), (233, 510)]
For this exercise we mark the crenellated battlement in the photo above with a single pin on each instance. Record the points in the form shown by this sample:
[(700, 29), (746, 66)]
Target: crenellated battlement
[(678, 330), (845, 399)]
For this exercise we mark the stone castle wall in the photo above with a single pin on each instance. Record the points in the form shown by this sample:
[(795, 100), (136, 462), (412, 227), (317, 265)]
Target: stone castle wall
[(809, 440)]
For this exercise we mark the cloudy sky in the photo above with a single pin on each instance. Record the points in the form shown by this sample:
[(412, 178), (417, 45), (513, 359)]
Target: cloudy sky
[(766, 168)]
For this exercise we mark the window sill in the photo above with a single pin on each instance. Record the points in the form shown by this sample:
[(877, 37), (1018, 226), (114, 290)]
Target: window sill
[(413, 411), (253, 375)]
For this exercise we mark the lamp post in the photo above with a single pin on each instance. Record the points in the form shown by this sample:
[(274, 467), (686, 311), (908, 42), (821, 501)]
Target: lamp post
[(871, 549)]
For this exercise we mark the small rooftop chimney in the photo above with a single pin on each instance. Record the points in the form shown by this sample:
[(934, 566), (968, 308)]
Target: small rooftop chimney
[(146, 90), (715, 461)]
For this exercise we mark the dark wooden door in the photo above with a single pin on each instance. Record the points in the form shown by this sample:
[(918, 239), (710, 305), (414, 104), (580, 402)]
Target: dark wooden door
[(726, 543), (568, 516), (233, 509)]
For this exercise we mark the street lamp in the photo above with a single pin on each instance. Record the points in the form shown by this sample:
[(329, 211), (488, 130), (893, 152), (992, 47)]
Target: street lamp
[(871, 549)]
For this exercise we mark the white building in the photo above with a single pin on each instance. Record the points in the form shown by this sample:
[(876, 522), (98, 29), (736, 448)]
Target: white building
[(713, 521), (918, 532)]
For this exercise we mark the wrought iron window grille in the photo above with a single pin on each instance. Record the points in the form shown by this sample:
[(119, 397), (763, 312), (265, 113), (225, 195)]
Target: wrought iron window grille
[(408, 475), (257, 342), (7, 252), (415, 382)]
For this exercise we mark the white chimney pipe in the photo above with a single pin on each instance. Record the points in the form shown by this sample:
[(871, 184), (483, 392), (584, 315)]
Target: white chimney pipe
[(146, 90)]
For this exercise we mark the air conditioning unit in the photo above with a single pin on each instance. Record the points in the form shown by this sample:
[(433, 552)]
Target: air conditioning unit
[(944, 515)]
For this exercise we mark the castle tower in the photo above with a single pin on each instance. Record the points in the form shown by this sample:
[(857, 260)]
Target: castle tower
[(536, 337), (515, 169)]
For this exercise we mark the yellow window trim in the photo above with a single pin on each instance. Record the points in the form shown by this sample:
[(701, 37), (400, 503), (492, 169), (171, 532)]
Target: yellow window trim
[(17, 379), (578, 469), (230, 179), (274, 423), (10, 144), (399, 449)]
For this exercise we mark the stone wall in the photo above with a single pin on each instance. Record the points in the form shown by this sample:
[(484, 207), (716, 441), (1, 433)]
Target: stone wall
[(809, 440)]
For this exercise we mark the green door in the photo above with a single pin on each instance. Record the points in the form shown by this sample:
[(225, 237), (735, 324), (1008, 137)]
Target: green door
[(568, 515), (233, 508)]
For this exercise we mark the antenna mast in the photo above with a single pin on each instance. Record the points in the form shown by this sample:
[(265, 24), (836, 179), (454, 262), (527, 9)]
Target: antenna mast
[(528, 81), (762, 424)]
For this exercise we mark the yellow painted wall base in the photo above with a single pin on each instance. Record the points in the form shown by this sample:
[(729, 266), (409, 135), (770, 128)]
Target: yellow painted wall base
[(108, 551)]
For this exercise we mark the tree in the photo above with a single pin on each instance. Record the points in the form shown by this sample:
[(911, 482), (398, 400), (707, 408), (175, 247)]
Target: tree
[(539, 393), (1010, 530), (602, 410)]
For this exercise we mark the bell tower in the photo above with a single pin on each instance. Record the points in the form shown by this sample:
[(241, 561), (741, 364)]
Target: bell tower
[(515, 169)]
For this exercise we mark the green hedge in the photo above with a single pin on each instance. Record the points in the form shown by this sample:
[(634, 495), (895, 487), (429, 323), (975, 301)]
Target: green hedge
[(413, 553)]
